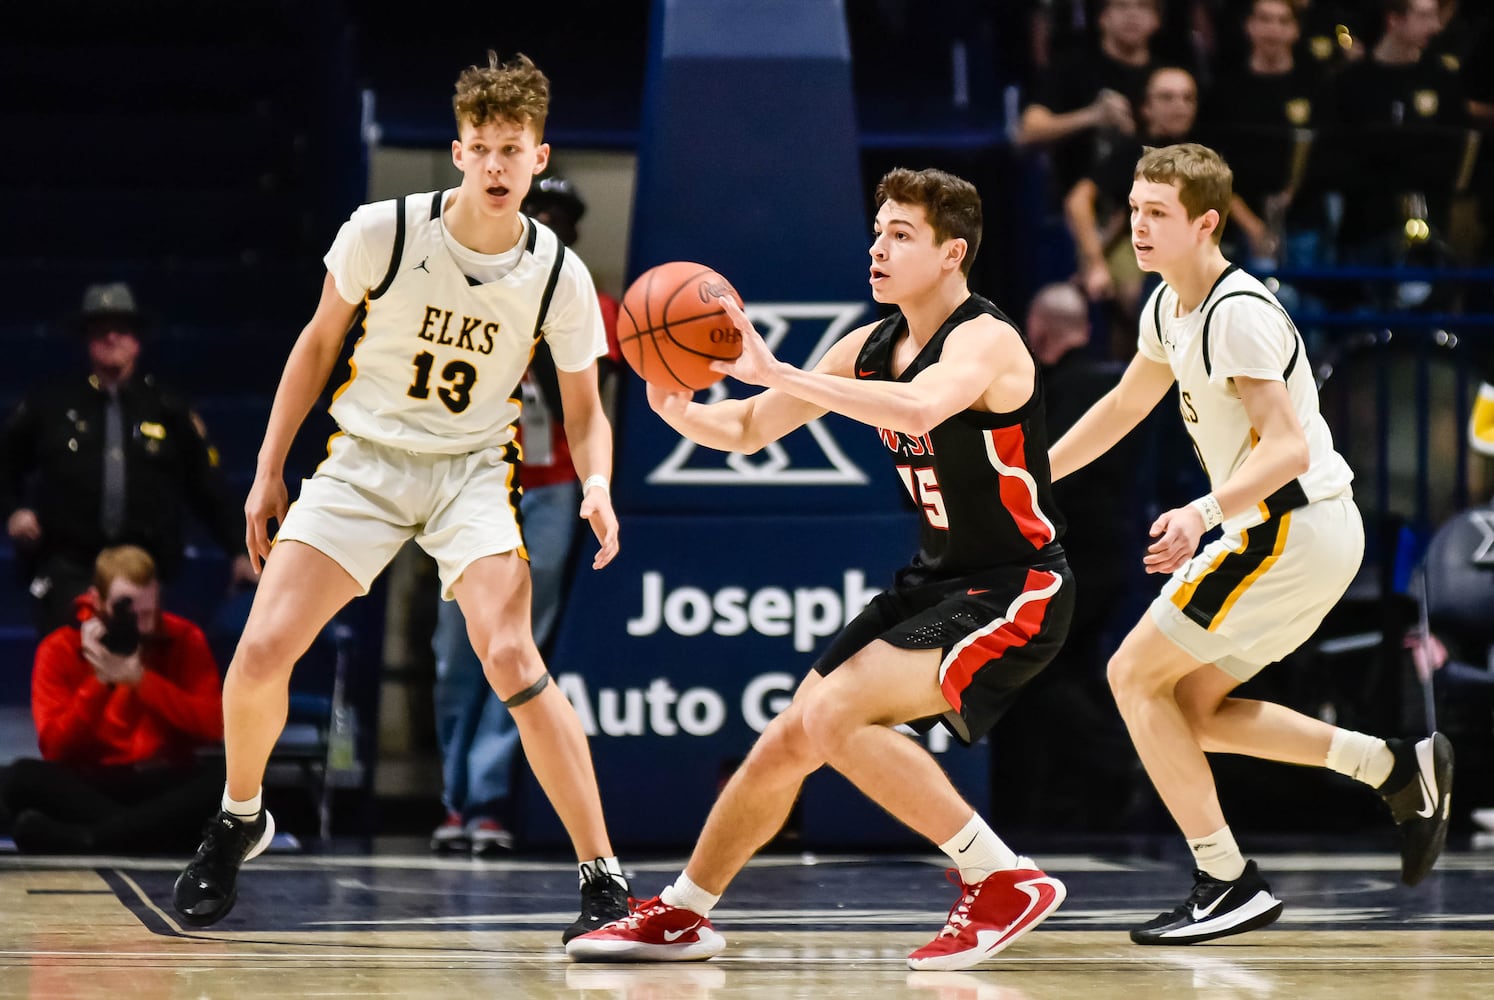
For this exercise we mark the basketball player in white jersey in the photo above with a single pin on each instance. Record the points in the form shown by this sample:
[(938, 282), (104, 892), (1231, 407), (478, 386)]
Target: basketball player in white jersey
[(1292, 541), (454, 287)]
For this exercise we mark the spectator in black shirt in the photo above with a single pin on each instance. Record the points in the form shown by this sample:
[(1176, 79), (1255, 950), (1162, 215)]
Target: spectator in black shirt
[(1335, 32), (1091, 93), (1096, 208), (106, 459), (1255, 116), (1399, 102), (1332, 32), (1054, 27)]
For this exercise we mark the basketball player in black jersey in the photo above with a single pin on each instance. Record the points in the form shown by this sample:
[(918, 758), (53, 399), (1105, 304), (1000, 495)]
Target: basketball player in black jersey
[(951, 387)]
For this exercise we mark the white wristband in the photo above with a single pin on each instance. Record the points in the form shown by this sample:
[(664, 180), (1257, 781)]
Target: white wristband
[(1209, 509), (599, 481)]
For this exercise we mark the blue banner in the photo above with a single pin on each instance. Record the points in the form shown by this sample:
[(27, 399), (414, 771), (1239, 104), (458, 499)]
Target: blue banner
[(678, 655)]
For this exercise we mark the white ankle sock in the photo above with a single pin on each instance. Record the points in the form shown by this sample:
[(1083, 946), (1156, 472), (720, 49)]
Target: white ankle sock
[(609, 866), (1218, 855), (247, 810), (1361, 757), (978, 851), (687, 894)]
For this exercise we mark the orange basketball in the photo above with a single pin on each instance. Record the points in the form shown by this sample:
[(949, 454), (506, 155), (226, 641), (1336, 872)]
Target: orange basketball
[(671, 326)]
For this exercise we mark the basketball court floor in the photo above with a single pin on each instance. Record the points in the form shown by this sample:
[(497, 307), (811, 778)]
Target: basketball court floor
[(403, 924)]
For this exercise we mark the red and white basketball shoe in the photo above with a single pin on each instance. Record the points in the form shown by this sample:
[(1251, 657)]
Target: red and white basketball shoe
[(653, 932), (989, 916)]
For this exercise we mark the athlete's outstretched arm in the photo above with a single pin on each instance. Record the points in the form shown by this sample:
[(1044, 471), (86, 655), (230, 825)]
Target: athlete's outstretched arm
[(306, 372), (590, 438), (746, 425), (1112, 417), (983, 354)]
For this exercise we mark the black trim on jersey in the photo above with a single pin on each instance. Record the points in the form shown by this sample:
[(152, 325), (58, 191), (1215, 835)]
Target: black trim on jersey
[(1231, 269), (544, 310), (1207, 602), (533, 236), (1289, 497), (436, 205), (399, 249), (1209, 318), (1157, 311)]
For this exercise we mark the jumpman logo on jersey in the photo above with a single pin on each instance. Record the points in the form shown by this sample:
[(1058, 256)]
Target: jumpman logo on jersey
[(421, 266)]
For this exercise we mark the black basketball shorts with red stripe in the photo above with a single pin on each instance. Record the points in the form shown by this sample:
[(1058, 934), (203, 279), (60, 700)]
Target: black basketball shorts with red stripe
[(995, 630)]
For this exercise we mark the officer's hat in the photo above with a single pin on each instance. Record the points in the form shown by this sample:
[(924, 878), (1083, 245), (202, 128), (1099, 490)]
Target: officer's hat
[(109, 300)]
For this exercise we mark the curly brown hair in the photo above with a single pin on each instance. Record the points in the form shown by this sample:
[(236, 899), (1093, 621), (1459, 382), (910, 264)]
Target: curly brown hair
[(951, 204), (515, 91)]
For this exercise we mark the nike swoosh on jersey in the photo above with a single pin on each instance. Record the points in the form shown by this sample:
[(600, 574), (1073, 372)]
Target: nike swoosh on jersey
[(973, 591), (864, 373), (1200, 912)]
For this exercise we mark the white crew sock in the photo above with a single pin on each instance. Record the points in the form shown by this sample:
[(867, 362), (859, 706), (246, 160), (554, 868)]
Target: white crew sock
[(1218, 855), (247, 810), (977, 851), (690, 896), (1363, 758)]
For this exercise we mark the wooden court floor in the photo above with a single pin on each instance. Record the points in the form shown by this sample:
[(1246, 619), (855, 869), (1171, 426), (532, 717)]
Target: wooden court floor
[(408, 925)]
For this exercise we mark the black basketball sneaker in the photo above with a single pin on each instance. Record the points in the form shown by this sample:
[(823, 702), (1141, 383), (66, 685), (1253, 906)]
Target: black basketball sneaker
[(603, 900), (207, 889), (1214, 909), (1419, 793)]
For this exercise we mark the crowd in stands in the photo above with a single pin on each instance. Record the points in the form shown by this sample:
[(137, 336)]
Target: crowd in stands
[(1318, 106)]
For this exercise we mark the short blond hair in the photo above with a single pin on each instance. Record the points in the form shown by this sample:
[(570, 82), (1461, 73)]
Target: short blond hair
[(514, 91), (1204, 181), (128, 561)]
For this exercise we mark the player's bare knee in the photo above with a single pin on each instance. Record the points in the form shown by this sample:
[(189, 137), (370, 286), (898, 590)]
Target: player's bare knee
[(511, 662), (1130, 679), (784, 745), (827, 725), (263, 657)]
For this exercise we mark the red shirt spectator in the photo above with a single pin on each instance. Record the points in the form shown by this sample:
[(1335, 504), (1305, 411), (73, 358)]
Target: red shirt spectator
[(173, 707)]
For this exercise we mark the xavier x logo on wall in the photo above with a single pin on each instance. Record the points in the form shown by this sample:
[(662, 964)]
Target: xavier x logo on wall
[(794, 461)]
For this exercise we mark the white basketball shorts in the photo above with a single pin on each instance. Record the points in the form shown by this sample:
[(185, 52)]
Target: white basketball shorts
[(1255, 595), (365, 500)]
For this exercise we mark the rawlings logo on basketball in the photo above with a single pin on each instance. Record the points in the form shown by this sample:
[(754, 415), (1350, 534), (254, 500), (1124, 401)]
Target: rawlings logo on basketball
[(710, 291)]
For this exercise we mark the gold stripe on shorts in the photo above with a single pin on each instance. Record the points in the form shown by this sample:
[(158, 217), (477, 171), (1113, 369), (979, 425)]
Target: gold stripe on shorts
[(1208, 599)]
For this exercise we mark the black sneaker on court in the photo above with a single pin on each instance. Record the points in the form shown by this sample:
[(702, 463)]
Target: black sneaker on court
[(1214, 909), (603, 900), (207, 889), (1419, 793)]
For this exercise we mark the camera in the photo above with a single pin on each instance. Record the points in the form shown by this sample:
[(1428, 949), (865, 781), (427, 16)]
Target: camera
[(121, 629)]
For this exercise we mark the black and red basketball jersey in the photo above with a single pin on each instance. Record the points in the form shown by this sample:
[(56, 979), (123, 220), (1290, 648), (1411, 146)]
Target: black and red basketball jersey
[(981, 479)]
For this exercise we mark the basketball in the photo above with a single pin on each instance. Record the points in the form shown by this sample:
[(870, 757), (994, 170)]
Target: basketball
[(671, 326)]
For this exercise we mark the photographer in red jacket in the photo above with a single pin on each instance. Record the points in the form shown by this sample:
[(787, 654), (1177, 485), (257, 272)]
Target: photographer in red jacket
[(121, 700)]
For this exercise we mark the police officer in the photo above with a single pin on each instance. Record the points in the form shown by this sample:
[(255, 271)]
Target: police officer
[(107, 459)]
